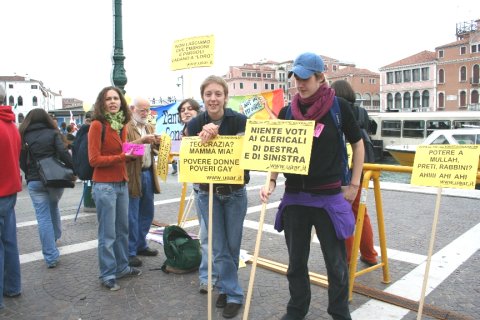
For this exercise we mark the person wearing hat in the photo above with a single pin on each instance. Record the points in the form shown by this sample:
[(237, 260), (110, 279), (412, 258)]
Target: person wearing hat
[(318, 199)]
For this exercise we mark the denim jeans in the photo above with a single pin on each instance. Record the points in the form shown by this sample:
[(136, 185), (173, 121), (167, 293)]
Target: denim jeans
[(111, 200), (203, 268), (298, 222), (140, 215), (10, 280), (45, 202), (227, 222)]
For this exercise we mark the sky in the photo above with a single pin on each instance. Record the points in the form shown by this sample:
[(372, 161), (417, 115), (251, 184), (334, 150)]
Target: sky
[(68, 44)]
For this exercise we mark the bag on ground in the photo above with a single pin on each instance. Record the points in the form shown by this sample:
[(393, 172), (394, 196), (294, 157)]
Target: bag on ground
[(182, 251)]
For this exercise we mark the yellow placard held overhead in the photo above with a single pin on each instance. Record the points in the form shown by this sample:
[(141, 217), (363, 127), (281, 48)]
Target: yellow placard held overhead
[(216, 161), (278, 145), (448, 166), (193, 52), (163, 155)]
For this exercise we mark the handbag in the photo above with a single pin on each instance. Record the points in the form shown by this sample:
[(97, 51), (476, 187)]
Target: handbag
[(53, 172)]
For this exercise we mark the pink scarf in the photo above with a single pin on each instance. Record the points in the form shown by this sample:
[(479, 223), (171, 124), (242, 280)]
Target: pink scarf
[(318, 104)]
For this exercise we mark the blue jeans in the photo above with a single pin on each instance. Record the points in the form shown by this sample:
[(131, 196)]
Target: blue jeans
[(10, 280), (298, 222), (203, 268), (111, 200), (140, 216), (45, 202), (227, 222)]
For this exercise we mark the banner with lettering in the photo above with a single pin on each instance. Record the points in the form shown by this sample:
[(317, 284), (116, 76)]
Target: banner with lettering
[(193, 52), (261, 106)]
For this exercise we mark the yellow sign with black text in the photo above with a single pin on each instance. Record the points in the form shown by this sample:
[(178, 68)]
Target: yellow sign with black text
[(447, 166), (193, 52), (163, 155)]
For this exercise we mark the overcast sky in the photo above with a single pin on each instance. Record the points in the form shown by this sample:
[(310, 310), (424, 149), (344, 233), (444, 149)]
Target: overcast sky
[(68, 44)]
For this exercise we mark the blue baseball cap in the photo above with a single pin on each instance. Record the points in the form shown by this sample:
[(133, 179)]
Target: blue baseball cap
[(307, 64)]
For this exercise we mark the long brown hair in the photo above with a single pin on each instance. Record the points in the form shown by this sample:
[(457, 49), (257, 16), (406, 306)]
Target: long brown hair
[(99, 106), (36, 115)]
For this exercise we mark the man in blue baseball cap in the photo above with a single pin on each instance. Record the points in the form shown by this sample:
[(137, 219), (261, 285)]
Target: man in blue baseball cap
[(306, 64)]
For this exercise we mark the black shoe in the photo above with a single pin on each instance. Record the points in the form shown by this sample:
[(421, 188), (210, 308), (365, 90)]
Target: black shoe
[(286, 316), (221, 300), (231, 310), (134, 262), (149, 252), (369, 263)]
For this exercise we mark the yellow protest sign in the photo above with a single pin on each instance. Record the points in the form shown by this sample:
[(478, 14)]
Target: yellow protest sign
[(163, 155), (278, 145), (216, 161), (448, 166), (193, 52)]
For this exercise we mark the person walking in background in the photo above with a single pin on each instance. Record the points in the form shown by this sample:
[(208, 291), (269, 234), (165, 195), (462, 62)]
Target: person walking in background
[(110, 190), (41, 139), (10, 184), (142, 182), (229, 201), (368, 255), (187, 110), (317, 199)]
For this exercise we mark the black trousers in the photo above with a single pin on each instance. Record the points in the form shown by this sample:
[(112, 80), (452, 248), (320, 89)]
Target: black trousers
[(298, 222)]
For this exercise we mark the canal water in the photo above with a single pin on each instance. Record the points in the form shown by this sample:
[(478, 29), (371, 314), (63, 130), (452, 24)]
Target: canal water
[(397, 177)]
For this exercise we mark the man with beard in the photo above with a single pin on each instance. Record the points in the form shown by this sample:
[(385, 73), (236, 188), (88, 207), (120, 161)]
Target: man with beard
[(143, 182)]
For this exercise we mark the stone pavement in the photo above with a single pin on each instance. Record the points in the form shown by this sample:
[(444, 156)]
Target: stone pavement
[(72, 291)]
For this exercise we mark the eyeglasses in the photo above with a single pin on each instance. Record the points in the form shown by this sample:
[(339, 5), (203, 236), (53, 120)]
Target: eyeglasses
[(143, 110)]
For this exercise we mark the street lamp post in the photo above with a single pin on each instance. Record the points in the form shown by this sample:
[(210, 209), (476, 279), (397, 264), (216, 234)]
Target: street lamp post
[(119, 78)]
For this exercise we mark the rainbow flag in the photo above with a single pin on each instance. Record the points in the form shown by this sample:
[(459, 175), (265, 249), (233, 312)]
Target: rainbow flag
[(261, 106)]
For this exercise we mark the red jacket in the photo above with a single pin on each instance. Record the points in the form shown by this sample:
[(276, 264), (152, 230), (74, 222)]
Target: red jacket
[(108, 158), (10, 145)]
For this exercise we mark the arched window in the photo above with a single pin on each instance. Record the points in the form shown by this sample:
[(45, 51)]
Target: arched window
[(441, 76), (416, 99), (389, 101), (367, 100), (474, 97), (35, 101), (398, 101), (407, 99), (358, 96), (476, 74), (11, 101), (441, 100), (21, 117), (463, 73), (20, 101), (425, 99), (376, 101), (463, 99)]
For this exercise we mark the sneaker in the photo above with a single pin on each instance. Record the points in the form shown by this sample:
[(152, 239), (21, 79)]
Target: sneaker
[(134, 262), (221, 300), (203, 288), (231, 310), (52, 265), (111, 284), (149, 252), (12, 295), (133, 272)]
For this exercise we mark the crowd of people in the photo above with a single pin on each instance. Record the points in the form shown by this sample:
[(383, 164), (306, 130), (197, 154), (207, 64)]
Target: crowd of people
[(124, 185)]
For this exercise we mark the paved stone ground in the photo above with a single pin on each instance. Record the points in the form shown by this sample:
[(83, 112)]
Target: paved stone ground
[(73, 291)]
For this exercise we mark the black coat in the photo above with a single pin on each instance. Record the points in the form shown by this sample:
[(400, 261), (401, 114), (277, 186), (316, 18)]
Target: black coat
[(42, 142)]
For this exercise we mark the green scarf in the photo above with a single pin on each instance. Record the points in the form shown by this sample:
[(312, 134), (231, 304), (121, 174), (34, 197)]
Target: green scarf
[(116, 120)]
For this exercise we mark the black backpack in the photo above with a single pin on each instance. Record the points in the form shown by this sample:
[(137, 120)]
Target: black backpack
[(81, 164), (182, 251), (361, 115)]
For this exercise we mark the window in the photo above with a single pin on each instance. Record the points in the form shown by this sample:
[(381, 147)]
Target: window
[(433, 125), (269, 76), (249, 74), (476, 74), (264, 75), (473, 48), (241, 85), (407, 100), (416, 99), (463, 50), (34, 86), (416, 74), (425, 99), (425, 74), (389, 101), (398, 101), (389, 77), (440, 53), (463, 74), (259, 75), (34, 101), (11, 101), (20, 101), (272, 86), (255, 86), (441, 76), (334, 67), (407, 75), (398, 76), (441, 100), (266, 86), (244, 74), (414, 129), (463, 99), (391, 128), (373, 81), (362, 80), (367, 100), (474, 97)]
